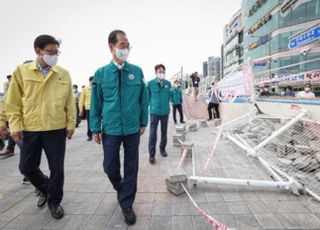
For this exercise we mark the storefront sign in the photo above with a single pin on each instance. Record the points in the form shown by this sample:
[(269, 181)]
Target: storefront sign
[(314, 76), (304, 38), (256, 7), (290, 4), (263, 40), (259, 23)]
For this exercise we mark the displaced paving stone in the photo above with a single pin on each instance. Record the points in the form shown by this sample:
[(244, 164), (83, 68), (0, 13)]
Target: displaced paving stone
[(187, 146), (315, 145), (177, 175), (203, 124), (286, 162), (177, 139), (175, 187), (193, 127), (181, 129)]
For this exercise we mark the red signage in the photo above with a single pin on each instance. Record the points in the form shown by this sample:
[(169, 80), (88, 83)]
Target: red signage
[(314, 76)]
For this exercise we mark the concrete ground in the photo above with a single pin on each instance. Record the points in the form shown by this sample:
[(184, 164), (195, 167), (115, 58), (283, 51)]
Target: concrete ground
[(90, 201)]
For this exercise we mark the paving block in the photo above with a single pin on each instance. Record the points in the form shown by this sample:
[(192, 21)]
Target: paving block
[(193, 127), (203, 124), (175, 187), (177, 139), (181, 129), (177, 175), (187, 146), (315, 145), (217, 122)]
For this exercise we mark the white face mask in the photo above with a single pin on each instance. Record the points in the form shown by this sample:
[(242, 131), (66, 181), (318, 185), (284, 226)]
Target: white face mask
[(161, 76), (50, 60), (122, 54)]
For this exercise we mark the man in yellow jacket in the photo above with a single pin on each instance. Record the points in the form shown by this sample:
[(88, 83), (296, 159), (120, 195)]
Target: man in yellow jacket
[(84, 106), (41, 114)]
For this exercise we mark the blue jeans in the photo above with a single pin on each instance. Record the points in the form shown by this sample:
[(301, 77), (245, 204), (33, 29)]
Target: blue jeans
[(154, 120), (126, 186)]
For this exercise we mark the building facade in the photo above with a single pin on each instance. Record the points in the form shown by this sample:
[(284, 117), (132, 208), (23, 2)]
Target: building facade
[(280, 40), (232, 53), (205, 69), (214, 67)]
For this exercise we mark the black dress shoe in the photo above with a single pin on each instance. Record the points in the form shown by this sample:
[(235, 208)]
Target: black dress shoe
[(42, 200), (163, 153), (25, 180), (7, 153), (57, 211), (182, 122), (129, 216), (152, 160), (89, 139)]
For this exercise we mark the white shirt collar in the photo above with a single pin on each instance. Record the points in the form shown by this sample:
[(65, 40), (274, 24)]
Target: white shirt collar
[(119, 66)]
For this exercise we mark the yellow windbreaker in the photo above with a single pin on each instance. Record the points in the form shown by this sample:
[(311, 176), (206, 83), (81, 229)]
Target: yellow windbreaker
[(85, 98), (40, 103)]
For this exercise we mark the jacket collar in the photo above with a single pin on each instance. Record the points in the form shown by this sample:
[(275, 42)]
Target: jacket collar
[(116, 68), (33, 65)]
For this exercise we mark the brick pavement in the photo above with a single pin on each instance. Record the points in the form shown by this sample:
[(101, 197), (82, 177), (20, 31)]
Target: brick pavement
[(90, 202)]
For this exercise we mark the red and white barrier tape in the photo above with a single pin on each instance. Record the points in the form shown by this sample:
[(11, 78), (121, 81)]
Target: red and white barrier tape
[(184, 154), (215, 143), (216, 224)]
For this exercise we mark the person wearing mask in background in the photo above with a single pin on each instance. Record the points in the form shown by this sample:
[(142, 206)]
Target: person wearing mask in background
[(176, 100), (118, 116), (214, 102), (41, 114), (83, 117), (11, 144), (84, 106), (159, 94), (307, 93), (288, 92), (265, 92), (76, 95), (195, 81), (2, 139)]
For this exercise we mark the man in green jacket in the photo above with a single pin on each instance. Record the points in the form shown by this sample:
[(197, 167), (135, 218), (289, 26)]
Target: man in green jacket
[(159, 93), (176, 100), (119, 115)]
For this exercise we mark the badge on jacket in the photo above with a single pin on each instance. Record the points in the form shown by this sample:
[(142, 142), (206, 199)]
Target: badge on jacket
[(131, 76)]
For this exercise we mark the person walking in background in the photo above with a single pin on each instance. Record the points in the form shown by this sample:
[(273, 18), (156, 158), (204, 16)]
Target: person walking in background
[(118, 116), (84, 106), (159, 94), (176, 100), (288, 92), (307, 93), (76, 95), (214, 102), (195, 81), (41, 114)]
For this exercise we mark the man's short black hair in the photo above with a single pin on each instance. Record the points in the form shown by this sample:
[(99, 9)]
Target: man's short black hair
[(43, 40), (91, 78), (112, 39), (75, 86), (8, 77), (159, 66), (212, 83)]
